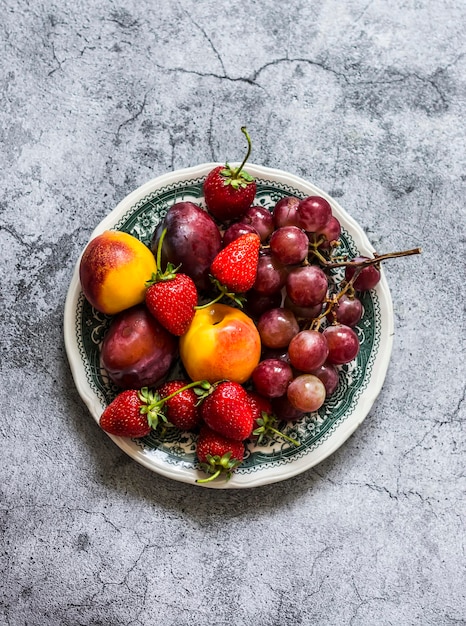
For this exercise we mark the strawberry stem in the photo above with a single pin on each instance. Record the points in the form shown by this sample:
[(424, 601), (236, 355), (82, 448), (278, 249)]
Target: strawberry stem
[(218, 465), (238, 171), (224, 291), (170, 270), (266, 426), (201, 384), (286, 437), (215, 300), (211, 477), (159, 249)]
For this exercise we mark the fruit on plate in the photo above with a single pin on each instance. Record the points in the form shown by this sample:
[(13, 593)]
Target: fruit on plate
[(343, 343), (182, 409), (265, 422), (235, 266), (192, 240), (133, 413), (306, 393), (230, 191), (171, 301), (272, 377), (171, 296), (137, 350), (217, 454), (221, 343), (113, 271), (260, 219), (227, 411)]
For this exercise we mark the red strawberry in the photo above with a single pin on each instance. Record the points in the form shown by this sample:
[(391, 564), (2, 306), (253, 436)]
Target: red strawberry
[(259, 405), (171, 301), (171, 297), (229, 192), (265, 422), (182, 409), (235, 266), (132, 414), (218, 455), (228, 412)]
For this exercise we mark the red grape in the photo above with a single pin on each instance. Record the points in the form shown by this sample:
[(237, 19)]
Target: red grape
[(258, 303), (368, 277), (307, 286), (347, 311), (236, 230), (271, 275), (331, 231), (306, 393), (313, 213), (343, 344), (284, 410), (276, 353), (308, 350), (272, 377), (289, 245), (260, 219), (277, 327), (306, 312), (285, 212), (328, 374)]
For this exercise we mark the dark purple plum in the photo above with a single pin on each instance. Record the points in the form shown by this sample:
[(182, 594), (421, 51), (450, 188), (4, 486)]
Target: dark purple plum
[(137, 351), (192, 241)]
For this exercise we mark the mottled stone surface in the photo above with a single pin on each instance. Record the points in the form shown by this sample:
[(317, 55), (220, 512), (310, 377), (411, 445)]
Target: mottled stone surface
[(366, 100)]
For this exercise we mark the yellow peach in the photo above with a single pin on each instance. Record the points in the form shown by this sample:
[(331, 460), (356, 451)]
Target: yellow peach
[(113, 270), (221, 343)]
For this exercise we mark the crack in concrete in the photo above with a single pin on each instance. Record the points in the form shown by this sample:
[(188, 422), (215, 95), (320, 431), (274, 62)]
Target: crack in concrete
[(55, 58), (132, 118), (183, 70), (216, 52)]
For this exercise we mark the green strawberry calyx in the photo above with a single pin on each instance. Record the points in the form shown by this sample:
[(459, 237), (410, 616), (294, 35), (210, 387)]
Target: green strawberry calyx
[(238, 178), (267, 428), (216, 465), (152, 405)]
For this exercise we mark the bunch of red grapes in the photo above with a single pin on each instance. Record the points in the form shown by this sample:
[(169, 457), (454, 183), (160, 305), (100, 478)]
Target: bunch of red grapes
[(305, 317)]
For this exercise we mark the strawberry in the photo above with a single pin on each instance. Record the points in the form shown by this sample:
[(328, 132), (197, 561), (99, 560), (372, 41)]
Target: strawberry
[(132, 413), (171, 301), (229, 192), (171, 297), (228, 412), (235, 266), (218, 455), (265, 422), (182, 409)]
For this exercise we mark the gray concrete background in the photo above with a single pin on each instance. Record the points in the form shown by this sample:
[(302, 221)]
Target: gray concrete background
[(364, 99)]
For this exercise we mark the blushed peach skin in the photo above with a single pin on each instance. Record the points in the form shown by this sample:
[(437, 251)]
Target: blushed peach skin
[(113, 270), (221, 343)]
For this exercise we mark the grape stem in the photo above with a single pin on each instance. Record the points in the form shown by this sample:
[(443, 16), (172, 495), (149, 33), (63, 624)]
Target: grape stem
[(376, 260), (348, 287)]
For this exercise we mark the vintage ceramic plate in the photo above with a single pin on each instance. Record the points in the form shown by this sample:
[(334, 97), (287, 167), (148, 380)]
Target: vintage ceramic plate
[(321, 433)]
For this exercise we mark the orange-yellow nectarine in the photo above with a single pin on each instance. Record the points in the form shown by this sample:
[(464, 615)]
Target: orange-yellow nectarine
[(221, 343), (113, 270)]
